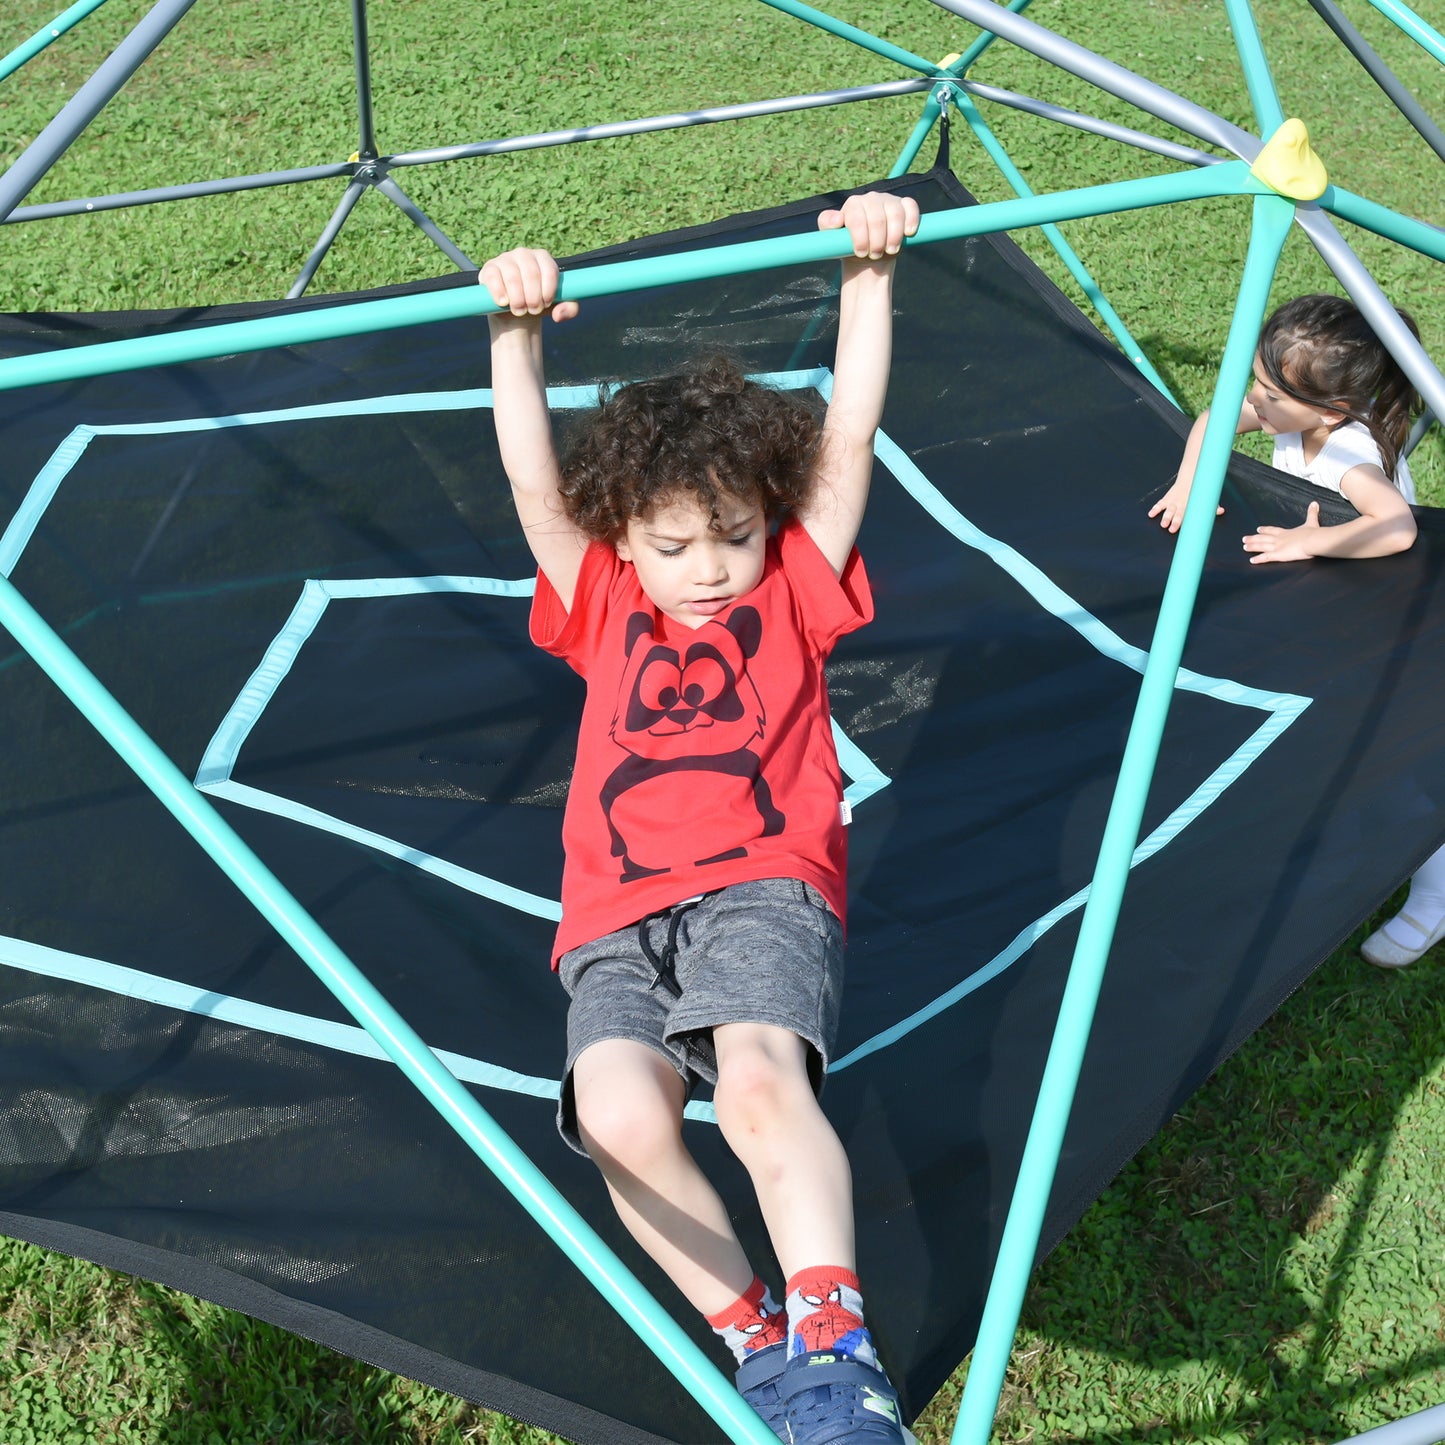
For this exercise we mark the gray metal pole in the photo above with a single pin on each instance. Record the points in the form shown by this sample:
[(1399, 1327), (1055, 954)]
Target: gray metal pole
[(1425, 1428), (1165, 104), (424, 223), (675, 121), (323, 244), (1139, 139), (367, 148), (1381, 74), (84, 205), (1365, 292), (87, 102)]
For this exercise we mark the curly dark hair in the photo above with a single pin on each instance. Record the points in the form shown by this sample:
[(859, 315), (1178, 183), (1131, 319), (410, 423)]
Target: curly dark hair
[(707, 431), (1320, 350)]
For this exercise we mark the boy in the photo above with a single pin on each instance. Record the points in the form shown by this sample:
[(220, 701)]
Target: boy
[(696, 565)]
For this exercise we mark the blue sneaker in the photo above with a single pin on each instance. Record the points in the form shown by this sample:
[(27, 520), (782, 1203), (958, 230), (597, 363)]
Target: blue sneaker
[(830, 1397), (758, 1379)]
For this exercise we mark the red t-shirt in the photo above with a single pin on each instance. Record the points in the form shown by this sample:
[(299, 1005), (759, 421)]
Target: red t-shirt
[(705, 756)]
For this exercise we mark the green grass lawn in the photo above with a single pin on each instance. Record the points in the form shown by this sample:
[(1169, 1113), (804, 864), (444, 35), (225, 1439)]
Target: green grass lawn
[(1270, 1267)]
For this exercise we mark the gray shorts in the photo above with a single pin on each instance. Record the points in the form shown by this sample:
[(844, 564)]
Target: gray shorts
[(768, 952)]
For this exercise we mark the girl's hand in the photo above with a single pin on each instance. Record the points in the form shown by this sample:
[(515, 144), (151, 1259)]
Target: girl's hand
[(876, 222), (1287, 544), (524, 282), (1170, 507)]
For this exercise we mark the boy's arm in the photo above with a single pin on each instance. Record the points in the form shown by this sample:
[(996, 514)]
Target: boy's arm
[(833, 512), (1385, 525), (1170, 507), (525, 281)]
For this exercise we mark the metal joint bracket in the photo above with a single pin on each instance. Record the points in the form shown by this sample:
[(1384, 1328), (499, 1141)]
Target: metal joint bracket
[(944, 92)]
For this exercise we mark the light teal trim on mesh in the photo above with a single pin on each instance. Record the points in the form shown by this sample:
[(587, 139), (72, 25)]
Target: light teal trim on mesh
[(282, 1023), (1424, 35), (1282, 709), (865, 778), (38, 498), (214, 775), (219, 760), (453, 873), (1206, 793), (868, 777), (459, 1108), (225, 1008), (469, 399), (220, 755), (1052, 598)]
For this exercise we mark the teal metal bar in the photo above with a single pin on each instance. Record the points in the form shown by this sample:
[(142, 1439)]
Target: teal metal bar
[(1417, 235), (1067, 254), (26, 170), (1229, 178), (931, 111), (961, 66), (527, 1184), (844, 31), (46, 34), (1425, 36), (1268, 114), (1019, 1246)]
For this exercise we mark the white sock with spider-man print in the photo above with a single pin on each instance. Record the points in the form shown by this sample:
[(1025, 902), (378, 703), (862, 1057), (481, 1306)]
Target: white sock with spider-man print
[(825, 1312), (751, 1323)]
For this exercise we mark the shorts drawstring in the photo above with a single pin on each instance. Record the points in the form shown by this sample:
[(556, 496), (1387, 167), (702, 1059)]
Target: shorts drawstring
[(664, 965)]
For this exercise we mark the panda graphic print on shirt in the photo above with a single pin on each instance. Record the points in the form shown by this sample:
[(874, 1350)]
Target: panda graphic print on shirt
[(705, 755), (689, 708)]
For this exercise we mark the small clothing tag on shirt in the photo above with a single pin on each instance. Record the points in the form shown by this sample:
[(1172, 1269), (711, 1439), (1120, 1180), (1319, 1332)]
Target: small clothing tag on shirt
[(845, 812)]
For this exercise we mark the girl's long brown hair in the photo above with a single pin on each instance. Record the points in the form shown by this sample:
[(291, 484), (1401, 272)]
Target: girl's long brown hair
[(1320, 350)]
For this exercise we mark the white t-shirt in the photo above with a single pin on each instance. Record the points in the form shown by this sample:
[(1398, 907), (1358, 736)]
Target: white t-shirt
[(1349, 445)]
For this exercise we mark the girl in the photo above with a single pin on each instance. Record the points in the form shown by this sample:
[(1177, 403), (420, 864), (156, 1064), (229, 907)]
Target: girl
[(1338, 406)]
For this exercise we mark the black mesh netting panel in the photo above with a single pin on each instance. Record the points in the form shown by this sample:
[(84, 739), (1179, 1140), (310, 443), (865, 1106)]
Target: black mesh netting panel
[(161, 1121)]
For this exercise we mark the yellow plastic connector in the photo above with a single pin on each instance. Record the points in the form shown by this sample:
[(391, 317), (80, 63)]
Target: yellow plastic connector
[(949, 60), (1289, 165)]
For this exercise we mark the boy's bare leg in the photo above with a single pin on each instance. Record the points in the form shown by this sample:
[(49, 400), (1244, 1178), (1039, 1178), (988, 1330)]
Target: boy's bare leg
[(629, 1117), (770, 1118)]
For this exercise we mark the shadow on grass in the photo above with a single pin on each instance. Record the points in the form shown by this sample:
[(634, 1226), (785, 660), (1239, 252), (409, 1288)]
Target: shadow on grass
[(1253, 1274), (239, 1379)]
